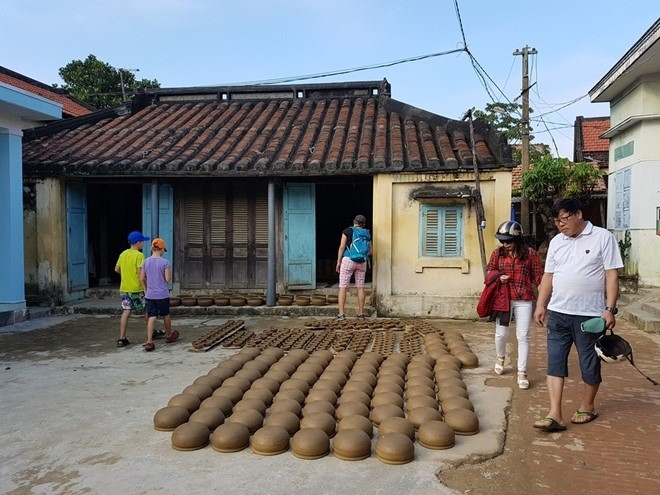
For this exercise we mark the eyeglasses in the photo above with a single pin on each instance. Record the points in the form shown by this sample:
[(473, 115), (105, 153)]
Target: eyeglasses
[(564, 220), (510, 241)]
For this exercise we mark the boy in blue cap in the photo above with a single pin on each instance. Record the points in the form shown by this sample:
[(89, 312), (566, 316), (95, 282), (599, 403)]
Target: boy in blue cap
[(131, 289)]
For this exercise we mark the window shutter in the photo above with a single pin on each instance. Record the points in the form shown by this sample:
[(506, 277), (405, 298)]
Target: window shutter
[(431, 232), (218, 216), (194, 216), (261, 216), (240, 216), (451, 231), (441, 231)]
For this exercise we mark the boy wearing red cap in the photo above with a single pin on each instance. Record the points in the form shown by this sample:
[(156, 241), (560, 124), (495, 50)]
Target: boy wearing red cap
[(155, 275)]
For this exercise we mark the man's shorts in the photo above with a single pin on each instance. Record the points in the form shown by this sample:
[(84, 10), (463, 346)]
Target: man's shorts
[(348, 268), (563, 331), (132, 301), (158, 307)]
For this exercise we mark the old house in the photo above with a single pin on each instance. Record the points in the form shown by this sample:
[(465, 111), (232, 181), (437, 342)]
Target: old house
[(260, 180)]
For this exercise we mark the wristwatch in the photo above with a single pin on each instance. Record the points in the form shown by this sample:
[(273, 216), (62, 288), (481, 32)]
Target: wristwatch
[(612, 309)]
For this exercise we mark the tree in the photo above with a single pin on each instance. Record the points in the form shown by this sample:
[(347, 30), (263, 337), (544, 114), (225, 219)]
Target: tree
[(98, 83), (505, 118), (550, 179)]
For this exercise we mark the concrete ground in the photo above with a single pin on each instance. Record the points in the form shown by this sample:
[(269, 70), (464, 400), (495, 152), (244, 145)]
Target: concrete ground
[(78, 419)]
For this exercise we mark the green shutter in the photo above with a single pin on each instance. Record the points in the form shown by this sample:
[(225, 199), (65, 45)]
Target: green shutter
[(441, 234)]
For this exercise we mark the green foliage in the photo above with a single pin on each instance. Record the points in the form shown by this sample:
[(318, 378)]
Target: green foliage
[(624, 247), (505, 118), (98, 84)]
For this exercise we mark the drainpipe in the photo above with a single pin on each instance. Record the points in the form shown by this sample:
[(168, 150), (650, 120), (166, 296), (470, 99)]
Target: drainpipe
[(155, 227), (270, 291)]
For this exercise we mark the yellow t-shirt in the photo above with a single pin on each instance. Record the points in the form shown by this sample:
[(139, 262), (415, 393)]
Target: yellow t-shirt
[(129, 263)]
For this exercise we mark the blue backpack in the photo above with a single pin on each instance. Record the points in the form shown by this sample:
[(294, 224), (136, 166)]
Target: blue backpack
[(358, 251)]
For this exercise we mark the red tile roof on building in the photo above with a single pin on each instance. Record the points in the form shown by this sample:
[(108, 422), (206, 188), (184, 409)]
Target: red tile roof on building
[(70, 106), (322, 129), (588, 145)]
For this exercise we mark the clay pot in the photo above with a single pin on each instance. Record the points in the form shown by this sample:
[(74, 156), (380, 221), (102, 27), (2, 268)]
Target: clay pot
[(416, 390), (396, 425), (351, 445), (420, 381), (210, 417), (332, 299), (248, 417), (310, 443), (456, 403), (302, 301), (255, 404), (327, 384), (241, 358), (205, 301), (262, 394), (395, 448), (288, 367), (255, 301), (384, 411), (291, 393), (421, 400), (237, 381), (354, 396), (447, 373), (273, 351), (468, 359), (237, 301), (388, 387), (217, 402), (364, 376), (286, 405), (308, 376), (451, 391), (189, 301), (387, 398), (270, 440), (296, 383), (234, 394), (175, 301), (168, 418), (323, 395), (221, 300), (462, 421), (209, 380), (301, 354), (230, 437), (336, 376), (359, 386), (267, 359), (322, 420), (285, 300), (232, 365), (419, 371), (266, 383), (391, 379), (190, 436), (277, 375), (318, 301), (448, 359), (452, 382), (436, 435), (420, 415), (352, 409), (189, 401), (258, 365), (356, 422), (284, 419), (325, 354)]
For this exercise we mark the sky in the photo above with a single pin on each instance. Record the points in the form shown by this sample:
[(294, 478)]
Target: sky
[(215, 42)]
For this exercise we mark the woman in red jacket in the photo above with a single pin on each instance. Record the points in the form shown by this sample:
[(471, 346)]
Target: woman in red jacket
[(523, 271)]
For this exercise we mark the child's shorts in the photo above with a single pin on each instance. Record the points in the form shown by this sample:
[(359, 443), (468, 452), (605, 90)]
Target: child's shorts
[(158, 307), (132, 301)]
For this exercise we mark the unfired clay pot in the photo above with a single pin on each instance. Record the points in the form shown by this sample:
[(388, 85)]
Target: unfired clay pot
[(279, 376), (328, 384), (462, 421), (262, 394), (273, 351), (354, 396), (295, 384), (231, 365), (310, 443), (436, 435), (420, 415), (248, 417), (168, 418), (323, 394), (210, 380), (255, 404), (356, 422), (230, 437), (210, 417), (396, 425), (452, 382), (284, 419), (387, 398), (270, 440), (421, 400), (388, 387), (322, 420), (336, 376), (364, 376), (468, 359), (250, 374), (237, 381), (290, 393), (384, 411), (351, 445), (204, 301), (395, 448), (446, 373), (359, 386), (218, 402), (351, 409), (190, 402), (318, 406), (190, 436), (201, 391), (234, 394), (308, 376), (456, 403), (452, 391)]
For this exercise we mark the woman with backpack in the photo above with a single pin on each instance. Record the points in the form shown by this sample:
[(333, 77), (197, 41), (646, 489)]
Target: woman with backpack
[(354, 248), (520, 270)]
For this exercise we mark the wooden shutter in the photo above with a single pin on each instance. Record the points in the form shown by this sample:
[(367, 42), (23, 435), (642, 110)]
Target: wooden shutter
[(441, 232)]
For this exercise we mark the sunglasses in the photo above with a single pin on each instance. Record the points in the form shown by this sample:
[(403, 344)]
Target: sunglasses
[(507, 242)]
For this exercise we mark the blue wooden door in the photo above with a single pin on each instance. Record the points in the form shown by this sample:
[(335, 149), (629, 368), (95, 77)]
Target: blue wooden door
[(76, 239), (165, 219), (299, 236)]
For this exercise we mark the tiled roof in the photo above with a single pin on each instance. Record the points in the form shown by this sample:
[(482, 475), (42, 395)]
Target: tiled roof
[(588, 145), (70, 106), (330, 129)]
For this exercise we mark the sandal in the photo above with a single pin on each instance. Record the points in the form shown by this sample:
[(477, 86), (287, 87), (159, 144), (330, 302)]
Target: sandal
[(174, 336), (499, 365), (582, 417), (523, 382), (550, 425), (159, 334), (340, 318), (361, 317), (148, 346), (122, 342)]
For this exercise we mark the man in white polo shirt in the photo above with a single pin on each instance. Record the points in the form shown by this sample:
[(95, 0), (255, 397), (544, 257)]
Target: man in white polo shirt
[(580, 282)]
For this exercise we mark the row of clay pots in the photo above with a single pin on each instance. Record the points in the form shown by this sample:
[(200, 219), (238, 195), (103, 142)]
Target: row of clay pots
[(251, 300)]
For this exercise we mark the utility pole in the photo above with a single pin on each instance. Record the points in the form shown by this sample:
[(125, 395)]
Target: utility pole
[(121, 81), (524, 131)]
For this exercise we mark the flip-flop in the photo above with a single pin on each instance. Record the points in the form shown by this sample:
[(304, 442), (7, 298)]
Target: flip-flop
[(550, 426), (159, 334), (587, 417)]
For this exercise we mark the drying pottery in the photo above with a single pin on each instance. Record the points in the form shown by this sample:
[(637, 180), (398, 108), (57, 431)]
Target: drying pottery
[(396, 425), (359, 386), (462, 421), (325, 354), (452, 382), (364, 376), (255, 404), (290, 393), (451, 391), (456, 403), (295, 384), (270, 440), (278, 375), (250, 374), (318, 300), (209, 380), (286, 405), (237, 301), (354, 396), (362, 366), (210, 417), (241, 358), (230, 365), (446, 373), (387, 398), (421, 400), (322, 420), (267, 359), (189, 401), (436, 435), (351, 445), (286, 366), (307, 376), (262, 394), (168, 418), (189, 301), (448, 359), (347, 353), (311, 366), (318, 406), (303, 301), (391, 370), (441, 365), (388, 387), (351, 409), (391, 379), (255, 364), (384, 411), (230, 437), (323, 394), (419, 371), (301, 354), (190, 436), (424, 359), (268, 383), (398, 357), (234, 394), (423, 414), (374, 357), (336, 376), (338, 367), (468, 359), (237, 381), (273, 351), (248, 417), (175, 301), (356, 422), (395, 448), (255, 301), (204, 301), (332, 299), (327, 384), (416, 390), (218, 402), (420, 380), (253, 352), (285, 300), (221, 300), (310, 443), (284, 419)]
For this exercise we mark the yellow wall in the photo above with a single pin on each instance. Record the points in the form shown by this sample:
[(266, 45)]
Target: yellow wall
[(404, 283)]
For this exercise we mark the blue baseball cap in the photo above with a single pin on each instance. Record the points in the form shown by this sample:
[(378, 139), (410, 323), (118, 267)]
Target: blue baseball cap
[(135, 237)]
